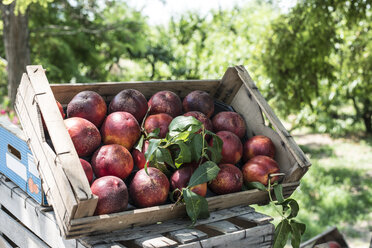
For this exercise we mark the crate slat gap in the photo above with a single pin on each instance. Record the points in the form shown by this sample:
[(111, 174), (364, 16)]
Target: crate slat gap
[(68, 189)]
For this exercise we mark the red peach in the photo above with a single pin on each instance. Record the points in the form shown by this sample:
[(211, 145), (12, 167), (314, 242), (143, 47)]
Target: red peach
[(139, 158), (258, 145), (112, 195), (199, 101), (165, 102), (229, 180), (229, 121), (180, 179), (258, 168), (202, 118), (232, 148), (131, 101), (84, 135), (112, 160), (147, 190), (87, 169), (120, 128), (88, 105), (160, 121)]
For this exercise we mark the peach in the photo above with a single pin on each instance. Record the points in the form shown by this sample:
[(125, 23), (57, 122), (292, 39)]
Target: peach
[(131, 101), (160, 121), (84, 135), (258, 168), (199, 101), (87, 169), (232, 148), (120, 128), (165, 102), (88, 105), (258, 145), (229, 121), (229, 180)]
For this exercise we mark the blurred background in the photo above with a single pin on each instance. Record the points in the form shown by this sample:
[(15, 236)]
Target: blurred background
[(311, 59)]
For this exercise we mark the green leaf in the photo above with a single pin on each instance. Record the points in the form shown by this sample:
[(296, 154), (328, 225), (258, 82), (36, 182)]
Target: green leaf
[(278, 191), (282, 231), (216, 149), (154, 134), (204, 173), (153, 146), (182, 123), (139, 144), (297, 229), (184, 155), (196, 205), (293, 205), (183, 136), (167, 157), (196, 146), (256, 185)]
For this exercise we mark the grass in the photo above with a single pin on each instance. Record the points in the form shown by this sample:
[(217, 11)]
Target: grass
[(337, 190)]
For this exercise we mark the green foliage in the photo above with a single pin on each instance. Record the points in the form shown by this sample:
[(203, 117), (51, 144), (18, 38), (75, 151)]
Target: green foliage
[(84, 41), (317, 57)]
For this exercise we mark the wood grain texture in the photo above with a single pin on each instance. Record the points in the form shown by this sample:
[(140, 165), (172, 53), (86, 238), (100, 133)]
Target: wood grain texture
[(146, 216), (187, 235), (64, 148), (229, 86), (19, 234), (4, 243), (65, 92), (167, 226), (155, 241), (303, 161), (31, 214)]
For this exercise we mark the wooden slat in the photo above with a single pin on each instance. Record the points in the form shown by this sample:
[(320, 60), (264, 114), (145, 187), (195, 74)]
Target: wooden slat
[(301, 158), (156, 241), (43, 224), (223, 226), (229, 86), (65, 92), (187, 235), (4, 243), (112, 245), (331, 234), (53, 177), (67, 155), (168, 226), (138, 217), (253, 237), (19, 234), (247, 106), (258, 218)]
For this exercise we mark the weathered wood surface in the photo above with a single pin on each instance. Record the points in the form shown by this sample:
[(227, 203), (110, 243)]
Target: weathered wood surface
[(296, 172), (69, 191), (140, 217), (65, 92), (331, 234)]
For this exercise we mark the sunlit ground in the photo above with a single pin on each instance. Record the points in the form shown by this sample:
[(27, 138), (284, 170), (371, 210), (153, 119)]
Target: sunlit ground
[(337, 190)]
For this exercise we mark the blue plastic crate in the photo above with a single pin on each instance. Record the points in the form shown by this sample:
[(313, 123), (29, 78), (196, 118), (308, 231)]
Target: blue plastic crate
[(17, 162)]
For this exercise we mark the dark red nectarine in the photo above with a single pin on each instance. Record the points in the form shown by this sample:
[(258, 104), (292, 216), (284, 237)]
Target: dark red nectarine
[(229, 121), (165, 102), (258, 145), (199, 101), (258, 168), (229, 180)]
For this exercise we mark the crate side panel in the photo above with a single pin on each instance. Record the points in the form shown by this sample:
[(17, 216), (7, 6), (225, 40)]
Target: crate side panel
[(302, 160), (65, 92), (246, 105), (66, 153), (53, 176)]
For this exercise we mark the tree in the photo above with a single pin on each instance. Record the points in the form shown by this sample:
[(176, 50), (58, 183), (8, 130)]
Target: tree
[(317, 59)]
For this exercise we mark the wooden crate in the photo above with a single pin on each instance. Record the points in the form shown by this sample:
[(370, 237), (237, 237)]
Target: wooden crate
[(319, 241), (65, 184), (24, 223)]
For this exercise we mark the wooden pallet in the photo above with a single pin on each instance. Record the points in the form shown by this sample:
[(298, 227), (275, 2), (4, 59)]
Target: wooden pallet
[(65, 184), (24, 223)]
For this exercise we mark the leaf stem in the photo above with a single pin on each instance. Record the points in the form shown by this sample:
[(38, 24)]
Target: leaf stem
[(272, 202)]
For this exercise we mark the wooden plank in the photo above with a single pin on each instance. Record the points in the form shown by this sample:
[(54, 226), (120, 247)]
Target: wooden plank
[(301, 158), (331, 234), (65, 92), (4, 243), (157, 241), (145, 216), (67, 155), (253, 237), (53, 177), (187, 235), (168, 226), (19, 234), (229, 86), (255, 217), (223, 226), (247, 106), (30, 213), (113, 245)]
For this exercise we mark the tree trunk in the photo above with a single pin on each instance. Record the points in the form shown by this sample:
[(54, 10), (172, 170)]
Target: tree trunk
[(17, 50)]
